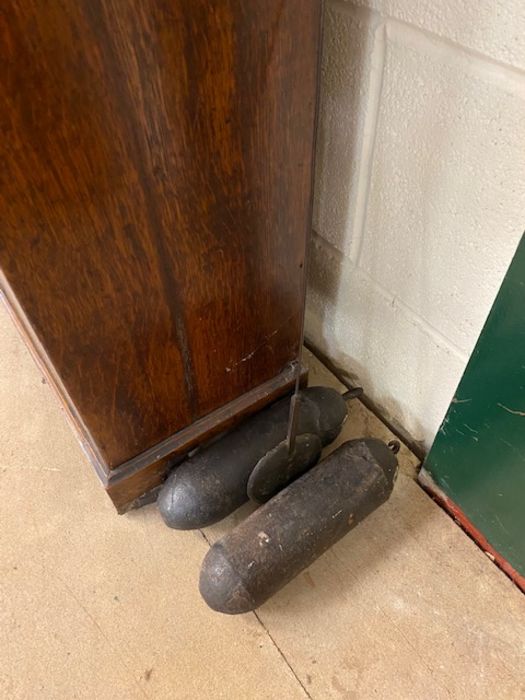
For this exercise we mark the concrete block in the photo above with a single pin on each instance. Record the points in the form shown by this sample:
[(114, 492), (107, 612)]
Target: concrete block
[(405, 369), (447, 197), (495, 28), (346, 66)]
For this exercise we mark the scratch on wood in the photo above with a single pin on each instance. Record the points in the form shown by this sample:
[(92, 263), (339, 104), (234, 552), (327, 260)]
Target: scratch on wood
[(245, 358), (260, 346)]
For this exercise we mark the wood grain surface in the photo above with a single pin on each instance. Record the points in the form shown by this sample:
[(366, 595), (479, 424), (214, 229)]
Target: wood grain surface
[(127, 484), (154, 200)]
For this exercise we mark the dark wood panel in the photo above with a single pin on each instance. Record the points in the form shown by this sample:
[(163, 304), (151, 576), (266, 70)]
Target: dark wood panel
[(127, 484), (154, 199)]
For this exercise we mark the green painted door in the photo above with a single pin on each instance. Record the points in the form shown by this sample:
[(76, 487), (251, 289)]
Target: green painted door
[(478, 456)]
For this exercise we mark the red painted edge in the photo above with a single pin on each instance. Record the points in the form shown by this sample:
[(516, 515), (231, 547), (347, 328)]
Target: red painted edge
[(429, 485)]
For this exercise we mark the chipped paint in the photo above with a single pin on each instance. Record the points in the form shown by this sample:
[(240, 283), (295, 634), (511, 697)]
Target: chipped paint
[(512, 410), (263, 538)]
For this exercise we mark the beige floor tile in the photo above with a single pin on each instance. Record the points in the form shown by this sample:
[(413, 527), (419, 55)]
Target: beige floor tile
[(95, 605), (405, 606)]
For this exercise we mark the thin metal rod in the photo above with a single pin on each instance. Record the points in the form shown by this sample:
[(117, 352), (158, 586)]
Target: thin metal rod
[(295, 401), (353, 393), (292, 420)]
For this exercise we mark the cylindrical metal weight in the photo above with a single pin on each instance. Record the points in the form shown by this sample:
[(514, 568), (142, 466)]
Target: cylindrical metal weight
[(284, 536), (212, 483)]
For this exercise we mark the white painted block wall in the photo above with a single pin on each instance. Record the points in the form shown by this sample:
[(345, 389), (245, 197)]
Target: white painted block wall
[(420, 192)]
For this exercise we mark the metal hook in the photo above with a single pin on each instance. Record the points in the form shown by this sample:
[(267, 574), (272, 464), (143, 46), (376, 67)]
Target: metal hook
[(395, 446)]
